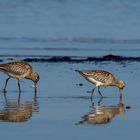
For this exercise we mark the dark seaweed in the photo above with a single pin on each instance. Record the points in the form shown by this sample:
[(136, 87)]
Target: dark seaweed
[(114, 58)]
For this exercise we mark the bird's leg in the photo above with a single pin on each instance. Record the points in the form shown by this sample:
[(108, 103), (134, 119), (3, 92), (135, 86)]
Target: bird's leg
[(92, 93), (99, 92), (19, 98), (101, 98), (19, 86), (4, 90)]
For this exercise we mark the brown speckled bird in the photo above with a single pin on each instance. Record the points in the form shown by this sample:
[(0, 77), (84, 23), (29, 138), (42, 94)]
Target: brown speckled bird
[(19, 70), (102, 78)]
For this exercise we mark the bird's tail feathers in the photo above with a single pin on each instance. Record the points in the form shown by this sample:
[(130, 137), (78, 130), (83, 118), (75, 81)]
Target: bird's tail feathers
[(2, 68), (81, 73)]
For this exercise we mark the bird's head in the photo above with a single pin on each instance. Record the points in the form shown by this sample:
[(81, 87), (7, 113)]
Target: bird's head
[(35, 78), (121, 85)]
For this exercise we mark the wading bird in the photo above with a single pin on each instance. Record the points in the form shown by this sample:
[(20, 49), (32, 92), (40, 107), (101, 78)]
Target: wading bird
[(19, 70), (102, 78)]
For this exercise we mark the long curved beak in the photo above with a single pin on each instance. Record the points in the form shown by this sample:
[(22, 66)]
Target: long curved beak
[(121, 92), (35, 84), (35, 87)]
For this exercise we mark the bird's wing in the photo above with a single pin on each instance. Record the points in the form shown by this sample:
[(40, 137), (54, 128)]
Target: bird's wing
[(16, 68), (99, 75)]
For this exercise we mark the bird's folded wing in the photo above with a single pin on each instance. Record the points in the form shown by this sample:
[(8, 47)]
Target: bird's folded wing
[(101, 77), (16, 69)]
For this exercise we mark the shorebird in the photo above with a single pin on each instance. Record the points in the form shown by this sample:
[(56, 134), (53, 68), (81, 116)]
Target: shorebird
[(19, 70), (102, 78)]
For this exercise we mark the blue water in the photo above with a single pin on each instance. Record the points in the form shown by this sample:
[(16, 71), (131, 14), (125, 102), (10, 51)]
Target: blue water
[(102, 27), (32, 28), (69, 18), (60, 104)]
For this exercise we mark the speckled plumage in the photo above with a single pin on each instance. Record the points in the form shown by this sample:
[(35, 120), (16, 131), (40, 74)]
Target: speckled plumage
[(19, 70), (101, 78)]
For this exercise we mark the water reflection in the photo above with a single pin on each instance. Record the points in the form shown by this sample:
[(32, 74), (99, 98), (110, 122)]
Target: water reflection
[(18, 111), (102, 114)]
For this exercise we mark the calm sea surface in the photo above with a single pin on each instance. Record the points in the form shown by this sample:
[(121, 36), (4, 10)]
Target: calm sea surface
[(68, 27), (62, 108)]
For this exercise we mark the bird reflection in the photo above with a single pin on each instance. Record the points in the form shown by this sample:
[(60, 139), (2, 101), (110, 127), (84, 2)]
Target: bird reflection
[(17, 111), (102, 114)]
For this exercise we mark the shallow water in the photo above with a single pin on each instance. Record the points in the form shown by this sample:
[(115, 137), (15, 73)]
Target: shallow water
[(61, 103), (56, 37)]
